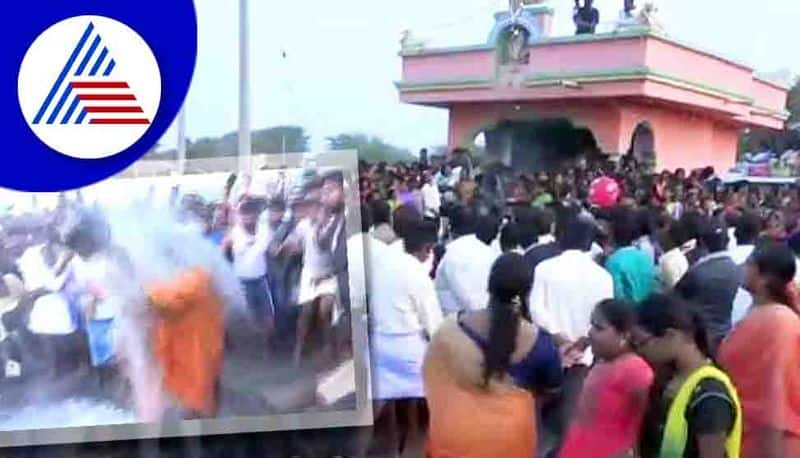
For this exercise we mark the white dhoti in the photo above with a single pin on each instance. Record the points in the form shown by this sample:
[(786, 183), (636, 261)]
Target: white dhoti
[(310, 292), (397, 365)]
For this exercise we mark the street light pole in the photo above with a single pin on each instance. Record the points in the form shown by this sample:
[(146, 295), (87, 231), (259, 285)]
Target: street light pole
[(182, 141), (245, 148)]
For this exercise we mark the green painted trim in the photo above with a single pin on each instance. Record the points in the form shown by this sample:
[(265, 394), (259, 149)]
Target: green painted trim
[(452, 50), (630, 73), (775, 84), (454, 84), (784, 115), (623, 74)]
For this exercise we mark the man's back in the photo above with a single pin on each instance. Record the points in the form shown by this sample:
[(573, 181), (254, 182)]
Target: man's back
[(462, 276), (540, 253), (565, 291), (711, 285)]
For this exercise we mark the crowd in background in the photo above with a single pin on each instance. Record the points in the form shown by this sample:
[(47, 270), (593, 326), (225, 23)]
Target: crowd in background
[(596, 310)]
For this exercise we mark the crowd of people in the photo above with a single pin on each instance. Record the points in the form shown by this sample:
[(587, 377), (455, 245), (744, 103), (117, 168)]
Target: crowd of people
[(600, 310), (145, 304)]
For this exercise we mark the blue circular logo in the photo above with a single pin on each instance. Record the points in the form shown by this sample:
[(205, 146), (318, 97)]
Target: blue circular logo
[(91, 87)]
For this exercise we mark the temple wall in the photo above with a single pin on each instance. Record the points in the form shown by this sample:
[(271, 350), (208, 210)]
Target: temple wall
[(682, 139), (467, 120)]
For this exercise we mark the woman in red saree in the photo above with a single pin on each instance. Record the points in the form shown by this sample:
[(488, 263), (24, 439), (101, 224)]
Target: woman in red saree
[(481, 370), (615, 394), (762, 356)]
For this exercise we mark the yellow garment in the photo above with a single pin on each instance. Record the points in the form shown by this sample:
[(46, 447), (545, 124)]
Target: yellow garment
[(677, 428), (189, 338)]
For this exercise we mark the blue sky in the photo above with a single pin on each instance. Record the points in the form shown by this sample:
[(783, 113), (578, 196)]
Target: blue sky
[(342, 57)]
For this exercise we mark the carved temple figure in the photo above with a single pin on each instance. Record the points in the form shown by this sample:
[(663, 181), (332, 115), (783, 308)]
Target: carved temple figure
[(517, 45), (649, 16), (409, 43), (646, 16)]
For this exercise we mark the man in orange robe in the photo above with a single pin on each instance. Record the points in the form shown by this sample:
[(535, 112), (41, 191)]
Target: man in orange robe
[(189, 339)]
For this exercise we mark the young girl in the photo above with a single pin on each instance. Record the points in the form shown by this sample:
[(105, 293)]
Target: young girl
[(695, 411), (614, 396)]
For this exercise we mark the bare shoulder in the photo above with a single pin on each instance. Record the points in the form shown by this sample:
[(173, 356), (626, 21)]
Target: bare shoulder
[(526, 339)]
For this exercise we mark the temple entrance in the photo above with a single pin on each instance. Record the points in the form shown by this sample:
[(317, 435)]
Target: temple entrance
[(538, 145), (643, 145)]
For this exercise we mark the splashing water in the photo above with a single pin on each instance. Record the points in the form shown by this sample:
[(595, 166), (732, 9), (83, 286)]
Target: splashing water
[(156, 247), (65, 414)]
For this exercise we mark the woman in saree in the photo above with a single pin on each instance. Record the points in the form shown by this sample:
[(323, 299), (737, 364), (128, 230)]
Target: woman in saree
[(482, 369), (614, 396), (762, 355)]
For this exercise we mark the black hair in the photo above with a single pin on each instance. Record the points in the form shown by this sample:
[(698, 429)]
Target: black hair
[(336, 176), (624, 227), (677, 235), (250, 206), (776, 263), (620, 314), (645, 221), (90, 234), (693, 222), (463, 220), (277, 204), (404, 218), (420, 233), (528, 233), (381, 212), (577, 233), (366, 218), (794, 243), (229, 182), (509, 285), (661, 312), (487, 229), (748, 228), (509, 236), (714, 236)]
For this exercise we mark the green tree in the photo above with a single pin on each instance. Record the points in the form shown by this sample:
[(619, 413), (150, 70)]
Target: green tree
[(370, 148)]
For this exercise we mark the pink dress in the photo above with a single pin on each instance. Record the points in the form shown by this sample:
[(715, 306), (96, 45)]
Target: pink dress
[(610, 410)]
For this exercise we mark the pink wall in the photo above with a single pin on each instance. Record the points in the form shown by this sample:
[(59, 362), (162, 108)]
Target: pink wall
[(603, 55), (682, 139), (769, 95), (587, 56), (682, 62), (449, 66), (467, 120)]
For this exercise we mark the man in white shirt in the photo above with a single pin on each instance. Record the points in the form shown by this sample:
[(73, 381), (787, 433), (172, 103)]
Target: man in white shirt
[(246, 247), (406, 218), (566, 289), (746, 232), (463, 274), (404, 314), (431, 199)]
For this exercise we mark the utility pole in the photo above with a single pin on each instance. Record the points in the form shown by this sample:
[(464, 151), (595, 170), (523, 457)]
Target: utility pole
[(182, 141), (245, 147)]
